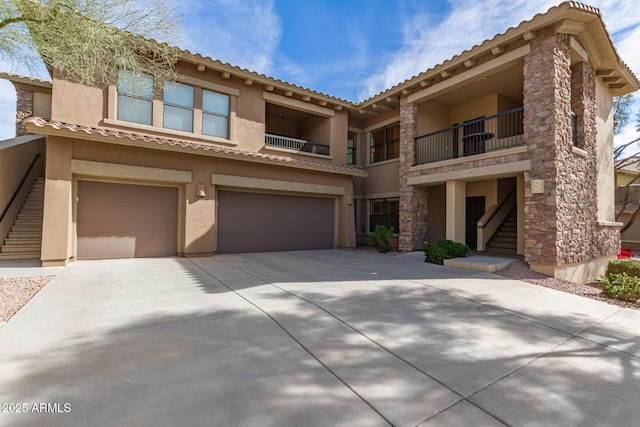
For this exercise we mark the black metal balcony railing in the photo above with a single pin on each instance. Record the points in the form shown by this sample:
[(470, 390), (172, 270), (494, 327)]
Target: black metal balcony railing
[(478, 136), (296, 144)]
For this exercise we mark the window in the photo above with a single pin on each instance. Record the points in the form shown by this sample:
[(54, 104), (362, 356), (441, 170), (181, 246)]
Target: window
[(385, 143), (200, 107), (385, 212), (574, 129), (135, 97), (215, 114), (352, 149), (178, 106)]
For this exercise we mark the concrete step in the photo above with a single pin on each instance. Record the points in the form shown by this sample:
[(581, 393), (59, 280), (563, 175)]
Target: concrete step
[(503, 245), (32, 241), (501, 251), (6, 249), (20, 255), (505, 239), (28, 222), (25, 235), (27, 228), (30, 216)]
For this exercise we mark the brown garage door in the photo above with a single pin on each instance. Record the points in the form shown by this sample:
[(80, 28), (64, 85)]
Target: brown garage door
[(250, 222), (126, 221)]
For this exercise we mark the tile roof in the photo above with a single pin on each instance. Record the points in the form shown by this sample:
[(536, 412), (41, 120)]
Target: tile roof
[(40, 125), (564, 5), (25, 79)]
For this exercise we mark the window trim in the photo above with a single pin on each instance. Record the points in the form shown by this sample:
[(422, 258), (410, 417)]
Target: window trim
[(354, 148), (384, 201), (158, 111), (382, 126)]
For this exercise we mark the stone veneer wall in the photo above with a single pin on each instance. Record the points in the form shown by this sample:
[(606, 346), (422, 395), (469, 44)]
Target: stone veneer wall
[(561, 225), (24, 108), (413, 199)]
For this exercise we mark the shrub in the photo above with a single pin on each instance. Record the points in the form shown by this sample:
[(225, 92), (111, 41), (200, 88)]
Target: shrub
[(630, 267), (380, 238), (444, 249), (621, 286)]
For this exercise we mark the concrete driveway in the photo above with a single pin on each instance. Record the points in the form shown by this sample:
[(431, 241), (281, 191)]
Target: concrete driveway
[(313, 338)]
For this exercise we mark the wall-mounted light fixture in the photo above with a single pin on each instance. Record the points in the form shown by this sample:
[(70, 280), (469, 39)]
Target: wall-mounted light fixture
[(200, 190)]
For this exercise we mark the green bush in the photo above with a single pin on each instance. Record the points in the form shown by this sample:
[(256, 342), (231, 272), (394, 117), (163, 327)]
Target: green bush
[(444, 249), (621, 286), (380, 238), (628, 266)]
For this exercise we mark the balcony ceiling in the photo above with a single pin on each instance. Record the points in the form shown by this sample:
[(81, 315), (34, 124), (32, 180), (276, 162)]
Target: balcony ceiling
[(507, 82), (273, 110)]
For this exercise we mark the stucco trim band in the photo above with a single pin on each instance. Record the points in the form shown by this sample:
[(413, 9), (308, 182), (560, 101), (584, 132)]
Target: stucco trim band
[(297, 105), (506, 58), (114, 170), (469, 174), (275, 185)]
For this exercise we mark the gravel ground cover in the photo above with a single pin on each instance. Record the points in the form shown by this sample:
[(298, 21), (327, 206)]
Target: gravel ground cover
[(519, 270), (17, 291)]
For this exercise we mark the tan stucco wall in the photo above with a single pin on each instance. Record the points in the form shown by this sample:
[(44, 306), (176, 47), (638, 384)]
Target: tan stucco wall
[(481, 107), (42, 105), (14, 163), (57, 226), (488, 189), (604, 153), (437, 211), (197, 214), (432, 116), (75, 103), (383, 178)]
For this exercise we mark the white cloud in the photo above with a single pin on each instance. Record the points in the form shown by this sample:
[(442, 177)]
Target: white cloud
[(7, 110), (245, 33), (8, 96), (430, 40)]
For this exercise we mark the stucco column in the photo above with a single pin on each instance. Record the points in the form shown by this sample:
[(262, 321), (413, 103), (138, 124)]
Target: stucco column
[(413, 199), (456, 211), (57, 230)]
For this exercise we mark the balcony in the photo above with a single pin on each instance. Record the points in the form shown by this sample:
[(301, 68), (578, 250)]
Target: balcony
[(296, 144), (493, 133)]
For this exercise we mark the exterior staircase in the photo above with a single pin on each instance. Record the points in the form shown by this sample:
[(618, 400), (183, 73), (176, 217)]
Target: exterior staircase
[(505, 240), (25, 238)]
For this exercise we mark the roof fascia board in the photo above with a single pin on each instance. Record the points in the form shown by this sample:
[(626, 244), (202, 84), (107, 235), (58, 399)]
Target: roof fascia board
[(297, 105), (128, 141), (431, 92)]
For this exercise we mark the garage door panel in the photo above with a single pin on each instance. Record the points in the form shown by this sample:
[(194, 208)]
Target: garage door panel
[(252, 222), (125, 220)]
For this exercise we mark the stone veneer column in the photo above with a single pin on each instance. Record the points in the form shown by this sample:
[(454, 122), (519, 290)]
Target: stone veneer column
[(24, 108), (413, 200), (561, 224), (547, 127)]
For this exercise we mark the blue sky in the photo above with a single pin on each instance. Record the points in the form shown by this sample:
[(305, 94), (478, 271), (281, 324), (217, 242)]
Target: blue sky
[(354, 49)]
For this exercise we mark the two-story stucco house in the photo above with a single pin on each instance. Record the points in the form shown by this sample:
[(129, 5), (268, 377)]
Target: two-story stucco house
[(506, 147)]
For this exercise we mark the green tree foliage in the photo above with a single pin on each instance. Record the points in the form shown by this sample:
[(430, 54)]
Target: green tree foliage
[(622, 112), (89, 40)]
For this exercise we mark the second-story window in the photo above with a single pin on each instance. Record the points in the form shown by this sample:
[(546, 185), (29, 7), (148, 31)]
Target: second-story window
[(385, 143), (215, 114), (135, 97), (178, 106), (352, 148)]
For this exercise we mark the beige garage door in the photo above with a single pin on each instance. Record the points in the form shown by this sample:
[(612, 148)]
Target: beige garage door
[(251, 222), (126, 221)]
